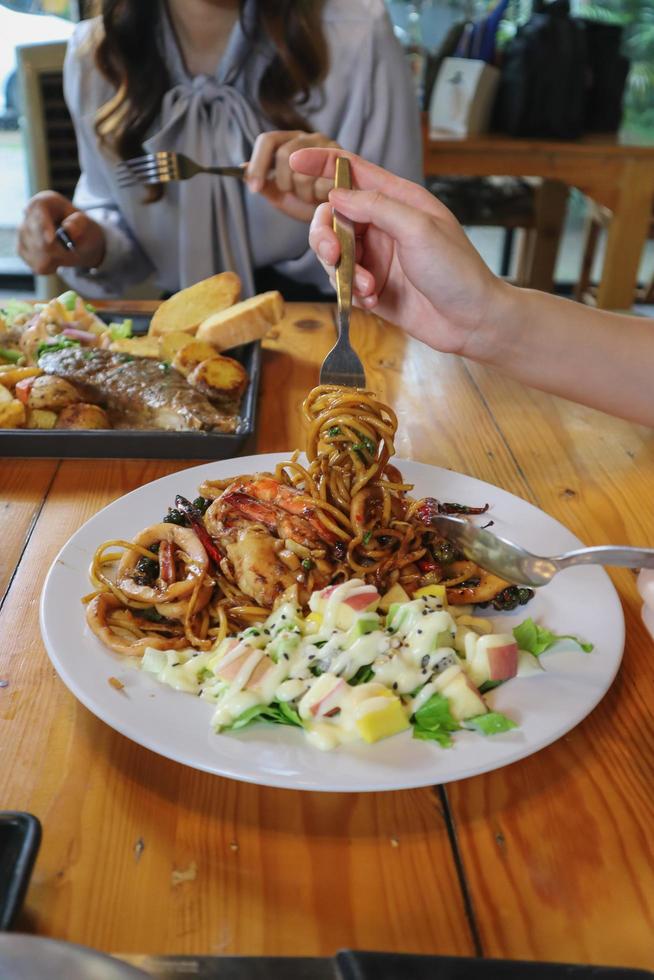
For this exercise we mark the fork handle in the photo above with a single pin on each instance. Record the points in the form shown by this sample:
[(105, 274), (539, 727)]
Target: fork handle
[(606, 555), (344, 230), (227, 171)]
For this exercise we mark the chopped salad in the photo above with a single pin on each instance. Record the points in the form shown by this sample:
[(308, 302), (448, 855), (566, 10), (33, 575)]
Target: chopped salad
[(360, 667)]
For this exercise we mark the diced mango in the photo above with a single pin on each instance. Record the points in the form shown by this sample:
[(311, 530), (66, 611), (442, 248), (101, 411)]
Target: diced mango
[(313, 622), (389, 719), (432, 590)]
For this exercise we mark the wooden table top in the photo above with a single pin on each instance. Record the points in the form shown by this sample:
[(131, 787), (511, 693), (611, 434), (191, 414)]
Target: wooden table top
[(551, 858)]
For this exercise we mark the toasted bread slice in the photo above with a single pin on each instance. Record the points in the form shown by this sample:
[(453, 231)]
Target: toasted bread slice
[(138, 346), (248, 320), (222, 379), (189, 307)]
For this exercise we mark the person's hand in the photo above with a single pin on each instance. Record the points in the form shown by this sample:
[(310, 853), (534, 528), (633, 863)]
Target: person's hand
[(293, 193), (37, 243), (415, 265)]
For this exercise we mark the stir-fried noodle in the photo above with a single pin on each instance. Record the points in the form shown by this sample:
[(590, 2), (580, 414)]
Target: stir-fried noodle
[(212, 567)]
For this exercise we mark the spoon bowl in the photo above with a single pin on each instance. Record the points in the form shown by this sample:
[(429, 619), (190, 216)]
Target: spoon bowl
[(520, 567)]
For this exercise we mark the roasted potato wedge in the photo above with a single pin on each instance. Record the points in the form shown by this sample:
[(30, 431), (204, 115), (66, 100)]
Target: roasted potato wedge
[(12, 415), (5, 396), (222, 379), (41, 418), (52, 393), (188, 357), (83, 416)]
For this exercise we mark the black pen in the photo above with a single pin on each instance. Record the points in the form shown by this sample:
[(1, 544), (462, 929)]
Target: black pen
[(65, 239)]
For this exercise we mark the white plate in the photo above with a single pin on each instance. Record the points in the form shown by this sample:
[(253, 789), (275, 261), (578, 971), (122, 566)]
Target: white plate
[(176, 725)]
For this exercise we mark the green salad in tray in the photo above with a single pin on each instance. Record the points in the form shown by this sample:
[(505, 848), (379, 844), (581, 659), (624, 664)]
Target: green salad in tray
[(351, 670)]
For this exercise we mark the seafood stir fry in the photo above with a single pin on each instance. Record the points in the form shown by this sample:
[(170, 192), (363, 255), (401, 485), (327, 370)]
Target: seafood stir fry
[(226, 561), (319, 596)]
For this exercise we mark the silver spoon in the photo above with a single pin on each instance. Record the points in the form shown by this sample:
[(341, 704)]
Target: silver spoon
[(517, 565)]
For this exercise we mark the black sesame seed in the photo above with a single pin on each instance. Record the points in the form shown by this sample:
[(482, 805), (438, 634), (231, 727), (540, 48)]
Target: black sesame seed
[(311, 656), (286, 657), (395, 685), (267, 632), (419, 631)]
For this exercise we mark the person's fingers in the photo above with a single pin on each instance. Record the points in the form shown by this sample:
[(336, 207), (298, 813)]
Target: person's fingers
[(263, 157), (321, 162), (289, 180), (402, 222), (39, 223), (283, 173), (321, 188), (88, 238), (322, 237)]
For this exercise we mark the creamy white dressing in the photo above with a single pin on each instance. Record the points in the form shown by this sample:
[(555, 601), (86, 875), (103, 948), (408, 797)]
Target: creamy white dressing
[(406, 657)]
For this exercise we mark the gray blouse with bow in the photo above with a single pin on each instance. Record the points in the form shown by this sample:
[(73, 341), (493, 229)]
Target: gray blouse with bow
[(207, 224)]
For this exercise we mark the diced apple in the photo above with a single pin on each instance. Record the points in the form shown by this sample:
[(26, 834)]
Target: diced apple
[(384, 717), (330, 701), (464, 698), (367, 598), (228, 671), (448, 675), (495, 658), (323, 696), (395, 594), (346, 610), (259, 674)]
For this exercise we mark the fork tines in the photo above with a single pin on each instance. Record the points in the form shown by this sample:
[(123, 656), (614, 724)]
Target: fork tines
[(153, 168)]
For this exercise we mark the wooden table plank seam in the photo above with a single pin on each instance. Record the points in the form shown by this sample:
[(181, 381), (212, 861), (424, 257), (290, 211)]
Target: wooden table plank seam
[(28, 534), (466, 891)]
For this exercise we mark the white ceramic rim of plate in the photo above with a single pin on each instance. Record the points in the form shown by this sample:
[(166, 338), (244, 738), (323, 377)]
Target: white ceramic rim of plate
[(365, 771)]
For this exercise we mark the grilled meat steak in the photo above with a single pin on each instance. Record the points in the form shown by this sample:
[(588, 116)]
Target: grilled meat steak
[(138, 393)]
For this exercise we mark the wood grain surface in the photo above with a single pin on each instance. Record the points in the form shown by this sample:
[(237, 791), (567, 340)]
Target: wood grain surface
[(550, 858)]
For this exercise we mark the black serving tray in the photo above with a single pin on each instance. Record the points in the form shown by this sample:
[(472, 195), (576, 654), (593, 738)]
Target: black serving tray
[(20, 836), (143, 443)]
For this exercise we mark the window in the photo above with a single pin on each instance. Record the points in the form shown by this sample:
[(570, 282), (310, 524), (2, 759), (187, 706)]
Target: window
[(21, 22)]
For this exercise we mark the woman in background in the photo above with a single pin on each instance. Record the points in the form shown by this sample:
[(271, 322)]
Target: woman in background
[(224, 82)]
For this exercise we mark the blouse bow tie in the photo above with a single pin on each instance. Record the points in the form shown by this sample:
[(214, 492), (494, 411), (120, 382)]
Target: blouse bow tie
[(214, 124)]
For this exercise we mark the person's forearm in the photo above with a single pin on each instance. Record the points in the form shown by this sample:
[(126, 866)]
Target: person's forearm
[(604, 360)]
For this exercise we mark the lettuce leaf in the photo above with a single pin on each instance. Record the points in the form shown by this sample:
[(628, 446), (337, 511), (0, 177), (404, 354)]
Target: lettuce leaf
[(492, 723), (537, 639), (120, 331), (278, 713), (434, 721), (16, 307)]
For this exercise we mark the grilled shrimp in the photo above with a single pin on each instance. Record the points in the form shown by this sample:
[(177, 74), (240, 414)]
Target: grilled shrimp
[(264, 500)]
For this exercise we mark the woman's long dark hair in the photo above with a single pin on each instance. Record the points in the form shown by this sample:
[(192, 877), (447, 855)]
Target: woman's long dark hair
[(129, 57)]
